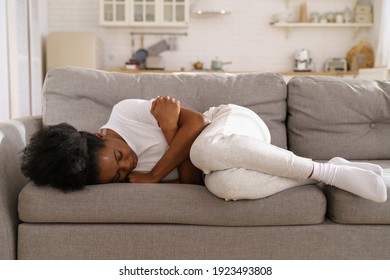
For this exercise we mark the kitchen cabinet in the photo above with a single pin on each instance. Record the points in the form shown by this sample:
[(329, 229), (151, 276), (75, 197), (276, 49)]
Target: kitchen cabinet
[(144, 13), (114, 12)]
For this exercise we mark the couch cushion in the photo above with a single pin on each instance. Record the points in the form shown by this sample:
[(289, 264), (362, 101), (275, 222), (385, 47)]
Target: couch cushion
[(85, 97), (346, 208), (331, 117), (168, 204)]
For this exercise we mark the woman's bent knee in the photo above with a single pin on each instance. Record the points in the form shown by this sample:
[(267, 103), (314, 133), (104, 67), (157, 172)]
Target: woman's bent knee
[(219, 187), (203, 152)]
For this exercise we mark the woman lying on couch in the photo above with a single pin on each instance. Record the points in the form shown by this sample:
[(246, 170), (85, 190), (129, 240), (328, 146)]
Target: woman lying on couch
[(161, 141)]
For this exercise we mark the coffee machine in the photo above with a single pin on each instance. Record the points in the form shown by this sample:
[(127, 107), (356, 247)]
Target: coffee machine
[(302, 61)]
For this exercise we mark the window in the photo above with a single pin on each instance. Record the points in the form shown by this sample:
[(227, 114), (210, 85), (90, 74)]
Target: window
[(20, 49), (382, 57)]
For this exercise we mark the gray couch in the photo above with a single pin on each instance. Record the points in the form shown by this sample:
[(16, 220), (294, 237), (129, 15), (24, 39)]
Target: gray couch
[(316, 117)]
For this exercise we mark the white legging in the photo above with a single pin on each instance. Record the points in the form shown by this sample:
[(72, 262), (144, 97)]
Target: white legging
[(239, 161)]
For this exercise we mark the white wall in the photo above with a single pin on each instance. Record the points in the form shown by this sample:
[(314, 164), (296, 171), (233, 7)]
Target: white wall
[(244, 37)]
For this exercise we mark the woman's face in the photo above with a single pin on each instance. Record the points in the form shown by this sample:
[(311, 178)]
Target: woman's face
[(116, 161)]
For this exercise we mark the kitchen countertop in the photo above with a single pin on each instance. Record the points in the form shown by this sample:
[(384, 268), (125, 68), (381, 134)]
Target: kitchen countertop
[(291, 73), (333, 73)]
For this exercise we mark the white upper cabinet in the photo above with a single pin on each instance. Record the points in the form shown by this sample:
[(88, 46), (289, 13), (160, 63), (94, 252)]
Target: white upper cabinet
[(175, 12), (144, 12), (156, 13), (114, 12)]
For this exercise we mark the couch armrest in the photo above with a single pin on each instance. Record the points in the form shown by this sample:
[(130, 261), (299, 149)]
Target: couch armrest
[(28, 125), (13, 137)]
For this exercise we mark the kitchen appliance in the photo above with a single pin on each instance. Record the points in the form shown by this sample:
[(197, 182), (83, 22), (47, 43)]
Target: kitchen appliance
[(198, 65), (78, 49), (158, 48), (155, 63), (336, 64), (217, 64), (302, 61), (211, 7)]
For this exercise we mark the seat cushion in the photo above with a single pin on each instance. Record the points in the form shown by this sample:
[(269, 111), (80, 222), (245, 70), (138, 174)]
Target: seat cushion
[(84, 97), (330, 117), (346, 208), (168, 204)]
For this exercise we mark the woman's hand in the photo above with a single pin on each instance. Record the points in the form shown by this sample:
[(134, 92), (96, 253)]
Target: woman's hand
[(166, 110)]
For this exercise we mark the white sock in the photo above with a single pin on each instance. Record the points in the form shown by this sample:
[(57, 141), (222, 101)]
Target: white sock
[(363, 165), (361, 182)]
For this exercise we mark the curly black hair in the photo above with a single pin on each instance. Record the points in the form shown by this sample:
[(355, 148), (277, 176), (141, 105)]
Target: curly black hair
[(62, 157)]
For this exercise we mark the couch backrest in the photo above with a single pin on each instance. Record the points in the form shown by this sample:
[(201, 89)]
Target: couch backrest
[(329, 117), (85, 97)]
